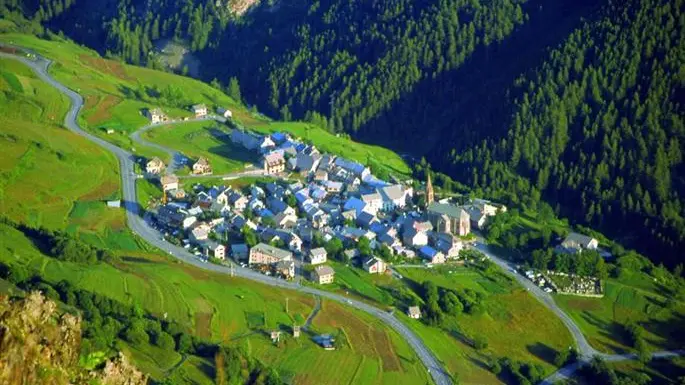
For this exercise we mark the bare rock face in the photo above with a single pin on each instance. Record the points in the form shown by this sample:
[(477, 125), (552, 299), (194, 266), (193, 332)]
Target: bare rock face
[(36, 346), (239, 7), (119, 371), (39, 346)]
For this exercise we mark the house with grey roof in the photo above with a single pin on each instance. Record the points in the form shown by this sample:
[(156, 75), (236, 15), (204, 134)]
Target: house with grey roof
[(373, 201), (575, 243), (323, 275), (448, 218), (264, 254), (318, 256), (395, 196)]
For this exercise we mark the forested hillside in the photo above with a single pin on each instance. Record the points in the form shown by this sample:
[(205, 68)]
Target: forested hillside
[(572, 102), (599, 129)]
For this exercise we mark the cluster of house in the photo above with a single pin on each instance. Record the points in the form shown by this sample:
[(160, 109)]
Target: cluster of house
[(200, 111), (336, 198), (156, 166)]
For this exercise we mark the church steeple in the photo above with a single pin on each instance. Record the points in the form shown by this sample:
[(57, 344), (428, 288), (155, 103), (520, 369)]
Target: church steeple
[(430, 195)]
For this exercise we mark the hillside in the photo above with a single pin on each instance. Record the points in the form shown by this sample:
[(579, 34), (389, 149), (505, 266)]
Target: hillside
[(41, 345), (115, 271), (573, 103)]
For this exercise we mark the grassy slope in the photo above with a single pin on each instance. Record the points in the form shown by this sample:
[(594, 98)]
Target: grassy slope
[(48, 176), (195, 139), (108, 88), (633, 299), (197, 298), (515, 326), (214, 306), (661, 371)]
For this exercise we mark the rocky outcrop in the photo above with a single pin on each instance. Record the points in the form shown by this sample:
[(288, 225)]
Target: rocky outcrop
[(40, 346), (119, 371)]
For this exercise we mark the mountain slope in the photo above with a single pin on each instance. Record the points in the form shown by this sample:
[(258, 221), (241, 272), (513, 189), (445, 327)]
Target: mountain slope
[(599, 130), (593, 127)]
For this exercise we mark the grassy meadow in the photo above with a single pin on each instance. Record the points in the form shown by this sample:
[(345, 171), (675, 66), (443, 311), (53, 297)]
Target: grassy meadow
[(635, 299), (204, 138), (51, 177), (514, 324), (115, 98), (234, 311)]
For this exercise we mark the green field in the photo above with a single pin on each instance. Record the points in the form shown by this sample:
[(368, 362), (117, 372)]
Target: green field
[(48, 176), (627, 300), (358, 283), (331, 143), (213, 306), (515, 325), (205, 138), (669, 371), (115, 98), (222, 309)]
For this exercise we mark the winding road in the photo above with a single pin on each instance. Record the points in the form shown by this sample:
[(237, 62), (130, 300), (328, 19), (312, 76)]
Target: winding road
[(585, 351), (138, 225)]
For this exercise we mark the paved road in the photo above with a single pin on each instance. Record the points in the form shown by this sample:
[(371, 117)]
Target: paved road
[(138, 225), (584, 348)]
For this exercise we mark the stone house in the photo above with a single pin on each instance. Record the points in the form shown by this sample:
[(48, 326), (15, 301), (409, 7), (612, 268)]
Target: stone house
[(263, 254), (154, 166), (323, 275), (202, 167)]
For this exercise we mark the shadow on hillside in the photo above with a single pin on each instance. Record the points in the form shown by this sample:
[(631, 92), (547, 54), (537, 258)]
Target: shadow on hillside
[(543, 352), (130, 259), (461, 107)]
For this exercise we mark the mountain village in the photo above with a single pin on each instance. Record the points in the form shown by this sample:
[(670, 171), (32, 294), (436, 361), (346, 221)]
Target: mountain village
[(312, 204)]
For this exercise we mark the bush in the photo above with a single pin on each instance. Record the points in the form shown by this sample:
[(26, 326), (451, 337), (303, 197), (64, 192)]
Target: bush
[(165, 341), (480, 342)]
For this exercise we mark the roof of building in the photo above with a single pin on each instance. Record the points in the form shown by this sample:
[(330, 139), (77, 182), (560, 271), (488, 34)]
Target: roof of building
[(167, 179), (274, 158), (367, 198), (324, 270), (199, 107), (317, 252), (370, 261), (273, 251), (239, 248), (428, 251), (574, 240), (393, 192), (202, 162), (450, 210), (155, 161), (366, 218), (156, 111), (354, 204), (414, 310)]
